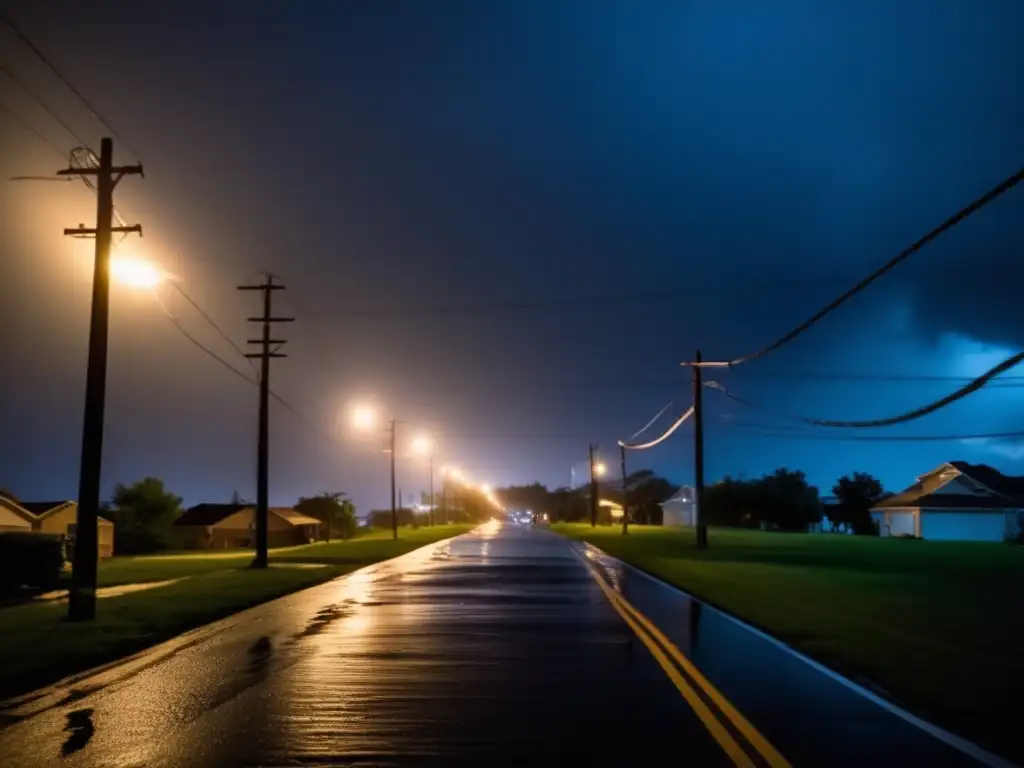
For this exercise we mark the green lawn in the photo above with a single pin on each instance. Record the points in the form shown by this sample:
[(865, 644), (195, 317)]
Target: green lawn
[(938, 625), (39, 647)]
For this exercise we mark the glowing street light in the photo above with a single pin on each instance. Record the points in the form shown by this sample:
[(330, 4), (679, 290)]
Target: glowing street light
[(422, 445), (135, 273), (485, 488), (600, 469), (364, 417)]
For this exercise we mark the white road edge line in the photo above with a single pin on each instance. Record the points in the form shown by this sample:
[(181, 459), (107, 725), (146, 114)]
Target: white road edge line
[(967, 747)]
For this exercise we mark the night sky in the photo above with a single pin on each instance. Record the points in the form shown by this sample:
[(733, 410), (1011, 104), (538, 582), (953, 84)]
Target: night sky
[(510, 222)]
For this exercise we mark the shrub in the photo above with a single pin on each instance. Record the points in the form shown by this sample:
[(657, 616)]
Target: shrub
[(30, 560)]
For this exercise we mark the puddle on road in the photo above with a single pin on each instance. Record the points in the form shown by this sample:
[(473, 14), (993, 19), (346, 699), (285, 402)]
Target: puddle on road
[(326, 616), (81, 731)]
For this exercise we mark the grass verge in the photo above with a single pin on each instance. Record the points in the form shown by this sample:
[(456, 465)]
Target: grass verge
[(937, 625), (39, 647)]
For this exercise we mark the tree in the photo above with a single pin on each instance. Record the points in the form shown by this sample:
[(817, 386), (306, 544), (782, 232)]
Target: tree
[(236, 498), (142, 515), (856, 494), (646, 492), (787, 501), (336, 513)]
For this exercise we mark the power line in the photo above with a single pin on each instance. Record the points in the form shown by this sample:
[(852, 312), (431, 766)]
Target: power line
[(661, 438), (31, 129), (213, 323), (917, 413), (28, 91), (948, 224), (6, 18), (200, 345), (832, 437)]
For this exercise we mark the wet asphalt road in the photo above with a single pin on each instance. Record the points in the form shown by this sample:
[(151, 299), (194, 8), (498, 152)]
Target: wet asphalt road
[(495, 648)]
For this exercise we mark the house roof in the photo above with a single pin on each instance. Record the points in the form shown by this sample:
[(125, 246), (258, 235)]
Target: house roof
[(684, 495), (17, 509), (43, 508), (209, 514), (994, 490), (293, 516)]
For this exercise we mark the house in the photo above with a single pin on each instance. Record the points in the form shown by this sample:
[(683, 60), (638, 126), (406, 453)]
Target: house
[(956, 501), (13, 517), (680, 508), (233, 526), (60, 517)]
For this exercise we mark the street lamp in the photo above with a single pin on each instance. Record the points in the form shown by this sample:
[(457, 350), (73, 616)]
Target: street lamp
[(364, 417), (423, 445), (600, 469), (135, 273)]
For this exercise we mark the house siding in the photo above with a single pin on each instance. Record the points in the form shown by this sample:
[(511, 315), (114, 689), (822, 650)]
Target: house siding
[(238, 531), (896, 522), (66, 516), (9, 521)]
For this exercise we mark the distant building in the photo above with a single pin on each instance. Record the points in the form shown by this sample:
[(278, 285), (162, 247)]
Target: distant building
[(233, 526), (60, 517), (680, 508), (956, 501)]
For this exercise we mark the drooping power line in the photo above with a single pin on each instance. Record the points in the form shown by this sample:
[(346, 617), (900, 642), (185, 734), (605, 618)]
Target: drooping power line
[(952, 221), (917, 413), (661, 438)]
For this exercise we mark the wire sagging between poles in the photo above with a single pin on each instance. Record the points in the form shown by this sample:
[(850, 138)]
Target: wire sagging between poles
[(643, 446), (948, 224), (647, 426), (967, 389)]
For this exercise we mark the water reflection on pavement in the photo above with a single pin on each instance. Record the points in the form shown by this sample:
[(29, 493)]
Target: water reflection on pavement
[(495, 647)]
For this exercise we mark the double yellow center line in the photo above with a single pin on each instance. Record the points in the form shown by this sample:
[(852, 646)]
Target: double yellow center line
[(687, 678)]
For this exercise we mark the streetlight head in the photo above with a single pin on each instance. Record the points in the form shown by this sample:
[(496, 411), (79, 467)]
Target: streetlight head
[(422, 445), (135, 273), (600, 469), (364, 417), (485, 488)]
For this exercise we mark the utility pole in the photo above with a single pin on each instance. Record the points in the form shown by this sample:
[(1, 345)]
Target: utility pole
[(263, 448), (698, 456), (82, 596), (625, 491), (593, 490), (430, 461), (394, 512)]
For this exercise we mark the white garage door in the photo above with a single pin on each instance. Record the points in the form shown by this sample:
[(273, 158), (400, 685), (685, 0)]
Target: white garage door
[(963, 526)]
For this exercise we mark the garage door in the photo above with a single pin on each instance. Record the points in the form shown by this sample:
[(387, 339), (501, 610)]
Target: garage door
[(963, 526)]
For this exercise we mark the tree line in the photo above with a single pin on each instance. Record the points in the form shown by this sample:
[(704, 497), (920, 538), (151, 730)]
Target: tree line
[(782, 500)]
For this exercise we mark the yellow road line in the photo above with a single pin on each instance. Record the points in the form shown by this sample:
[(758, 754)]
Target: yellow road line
[(760, 743), (717, 730)]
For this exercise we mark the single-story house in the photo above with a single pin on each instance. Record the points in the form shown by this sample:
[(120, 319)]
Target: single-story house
[(233, 526), (59, 517), (680, 508), (613, 507), (13, 517), (956, 501)]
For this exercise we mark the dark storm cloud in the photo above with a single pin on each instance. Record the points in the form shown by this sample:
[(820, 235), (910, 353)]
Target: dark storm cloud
[(747, 162)]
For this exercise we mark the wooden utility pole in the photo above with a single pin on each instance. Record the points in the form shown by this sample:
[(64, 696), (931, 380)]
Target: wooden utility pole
[(263, 447), (625, 491), (394, 512), (430, 461), (593, 490), (698, 456), (82, 595)]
